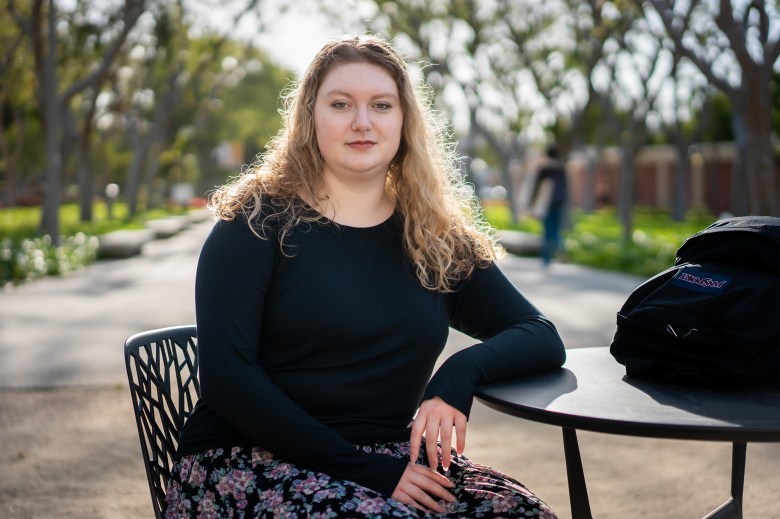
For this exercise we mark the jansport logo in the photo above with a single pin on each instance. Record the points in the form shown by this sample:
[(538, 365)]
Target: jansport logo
[(699, 280), (705, 282)]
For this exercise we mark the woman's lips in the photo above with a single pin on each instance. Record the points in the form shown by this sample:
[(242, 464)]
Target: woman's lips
[(360, 145)]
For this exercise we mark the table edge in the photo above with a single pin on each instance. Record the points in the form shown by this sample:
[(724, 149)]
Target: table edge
[(627, 428)]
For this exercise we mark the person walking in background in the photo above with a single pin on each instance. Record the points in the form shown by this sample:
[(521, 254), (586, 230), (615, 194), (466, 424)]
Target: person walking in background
[(549, 202), (324, 295)]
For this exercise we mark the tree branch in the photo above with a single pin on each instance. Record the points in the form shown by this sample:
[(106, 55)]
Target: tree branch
[(9, 54), (665, 11), (131, 12), (735, 33)]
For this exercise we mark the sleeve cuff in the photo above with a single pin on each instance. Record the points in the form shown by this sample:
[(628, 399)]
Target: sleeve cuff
[(455, 381)]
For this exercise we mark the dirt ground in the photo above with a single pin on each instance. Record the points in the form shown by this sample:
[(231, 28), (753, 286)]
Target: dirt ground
[(74, 453)]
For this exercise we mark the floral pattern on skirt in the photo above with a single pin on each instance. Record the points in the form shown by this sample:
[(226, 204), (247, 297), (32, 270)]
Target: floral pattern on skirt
[(250, 483)]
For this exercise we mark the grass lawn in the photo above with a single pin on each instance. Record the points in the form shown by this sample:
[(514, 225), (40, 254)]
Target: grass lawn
[(25, 255), (22, 222), (595, 239)]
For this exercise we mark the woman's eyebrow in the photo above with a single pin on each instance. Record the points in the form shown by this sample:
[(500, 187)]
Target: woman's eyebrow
[(339, 92)]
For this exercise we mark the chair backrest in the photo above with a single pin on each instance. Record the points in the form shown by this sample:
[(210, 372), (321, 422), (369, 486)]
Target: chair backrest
[(162, 369)]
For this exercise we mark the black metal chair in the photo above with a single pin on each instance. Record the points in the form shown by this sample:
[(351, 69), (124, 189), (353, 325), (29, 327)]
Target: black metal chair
[(162, 369)]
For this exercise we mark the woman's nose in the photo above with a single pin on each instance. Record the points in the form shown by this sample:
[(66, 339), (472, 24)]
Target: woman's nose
[(362, 120)]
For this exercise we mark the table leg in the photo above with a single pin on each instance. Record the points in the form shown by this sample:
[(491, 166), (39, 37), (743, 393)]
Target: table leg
[(578, 492), (732, 509)]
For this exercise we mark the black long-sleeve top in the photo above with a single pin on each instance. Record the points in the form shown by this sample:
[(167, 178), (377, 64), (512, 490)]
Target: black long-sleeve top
[(333, 342), (555, 172)]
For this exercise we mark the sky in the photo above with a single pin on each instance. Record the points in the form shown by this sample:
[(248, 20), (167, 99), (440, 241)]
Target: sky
[(295, 37), (292, 39)]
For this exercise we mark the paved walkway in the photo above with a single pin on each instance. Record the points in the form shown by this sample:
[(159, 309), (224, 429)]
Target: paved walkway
[(69, 331), (73, 446)]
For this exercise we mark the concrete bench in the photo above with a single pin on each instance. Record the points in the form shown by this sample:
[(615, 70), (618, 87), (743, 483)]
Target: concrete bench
[(123, 243), (520, 243), (167, 227)]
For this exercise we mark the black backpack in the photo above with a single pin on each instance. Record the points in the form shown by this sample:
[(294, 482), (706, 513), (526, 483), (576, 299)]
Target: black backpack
[(714, 317)]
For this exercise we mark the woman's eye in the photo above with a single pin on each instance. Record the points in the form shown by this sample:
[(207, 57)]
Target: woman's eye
[(339, 105), (383, 106)]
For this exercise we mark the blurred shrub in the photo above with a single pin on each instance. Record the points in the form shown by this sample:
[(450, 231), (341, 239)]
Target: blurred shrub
[(33, 258), (595, 239)]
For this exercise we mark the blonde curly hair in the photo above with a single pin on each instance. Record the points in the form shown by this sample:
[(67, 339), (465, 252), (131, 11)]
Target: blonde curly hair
[(444, 234)]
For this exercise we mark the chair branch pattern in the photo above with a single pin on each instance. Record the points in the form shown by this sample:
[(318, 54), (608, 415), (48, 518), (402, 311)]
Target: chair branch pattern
[(162, 370)]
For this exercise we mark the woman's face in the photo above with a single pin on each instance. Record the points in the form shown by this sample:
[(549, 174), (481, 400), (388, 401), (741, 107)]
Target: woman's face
[(357, 122)]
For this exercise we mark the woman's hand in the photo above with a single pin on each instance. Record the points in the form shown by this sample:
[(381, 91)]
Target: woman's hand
[(421, 486), (435, 419)]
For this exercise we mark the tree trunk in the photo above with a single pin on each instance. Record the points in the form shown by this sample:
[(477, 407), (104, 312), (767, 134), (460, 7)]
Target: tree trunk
[(626, 193), (589, 184), (134, 172), (755, 166), (86, 178), (11, 154), (159, 132), (760, 169), (739, 196), (53, 104), (84, 168), (681, 180), (52, 116), (146, 159), (509, 185), (507, 152)]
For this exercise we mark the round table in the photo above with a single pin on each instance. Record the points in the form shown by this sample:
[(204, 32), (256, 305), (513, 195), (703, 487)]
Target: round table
[(592, 392)]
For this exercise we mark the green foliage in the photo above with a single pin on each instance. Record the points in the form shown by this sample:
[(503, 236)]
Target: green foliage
[(34, 258), (250, 111), (498, 215), (775, 89), (22, 222), (25, 256), (595, 239), (721, 128)]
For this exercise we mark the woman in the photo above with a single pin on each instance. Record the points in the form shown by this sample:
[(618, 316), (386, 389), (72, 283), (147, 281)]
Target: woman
[(324, 295)]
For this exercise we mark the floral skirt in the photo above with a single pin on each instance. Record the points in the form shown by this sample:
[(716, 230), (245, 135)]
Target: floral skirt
[(249, 483)]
